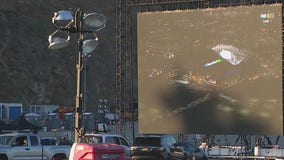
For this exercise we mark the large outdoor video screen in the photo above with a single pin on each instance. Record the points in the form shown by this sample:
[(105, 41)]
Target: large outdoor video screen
[(215, 70)]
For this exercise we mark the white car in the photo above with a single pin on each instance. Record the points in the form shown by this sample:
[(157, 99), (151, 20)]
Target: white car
[(28, 146), (109, 139)]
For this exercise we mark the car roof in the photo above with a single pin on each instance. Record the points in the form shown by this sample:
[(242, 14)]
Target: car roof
[(152, 135), (48, 138), (103, 135), (18, 134)]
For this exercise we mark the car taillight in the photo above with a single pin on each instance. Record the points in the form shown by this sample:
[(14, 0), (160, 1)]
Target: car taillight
[(84, 152)]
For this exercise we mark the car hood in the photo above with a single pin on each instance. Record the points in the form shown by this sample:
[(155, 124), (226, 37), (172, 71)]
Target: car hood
[(4, 147)]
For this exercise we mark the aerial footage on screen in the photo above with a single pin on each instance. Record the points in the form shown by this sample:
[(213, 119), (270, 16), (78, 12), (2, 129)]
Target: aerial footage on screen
[(214, 70)]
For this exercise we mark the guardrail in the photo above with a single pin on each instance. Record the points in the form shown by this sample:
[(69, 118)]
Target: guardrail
[(238, 152)]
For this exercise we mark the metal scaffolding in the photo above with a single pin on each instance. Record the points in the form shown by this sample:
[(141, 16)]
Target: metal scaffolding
[(124, 40), (121, 11), (124, 47)]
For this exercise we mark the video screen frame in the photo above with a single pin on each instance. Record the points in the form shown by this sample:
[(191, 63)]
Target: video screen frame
[(180, 128)]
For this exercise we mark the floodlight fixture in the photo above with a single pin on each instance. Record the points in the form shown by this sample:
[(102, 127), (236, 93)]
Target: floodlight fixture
[(57, 42), (62, 18), (89, 43), (95, 20)]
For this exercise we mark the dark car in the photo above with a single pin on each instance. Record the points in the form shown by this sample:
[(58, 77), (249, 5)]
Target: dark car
[(187, 151), (152, 147)]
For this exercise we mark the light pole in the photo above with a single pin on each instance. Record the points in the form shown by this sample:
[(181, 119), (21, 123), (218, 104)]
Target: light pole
[(66, 23), (85, 57), (85, 83)]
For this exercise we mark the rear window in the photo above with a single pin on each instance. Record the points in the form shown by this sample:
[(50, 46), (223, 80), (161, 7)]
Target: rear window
[(147, 141), (48, 141)]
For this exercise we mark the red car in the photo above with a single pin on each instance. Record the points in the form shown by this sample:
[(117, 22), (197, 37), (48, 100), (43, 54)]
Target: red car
[(81, 151)]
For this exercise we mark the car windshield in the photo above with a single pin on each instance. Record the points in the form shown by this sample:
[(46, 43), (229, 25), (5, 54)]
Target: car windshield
[(5, 140), (147, 141)]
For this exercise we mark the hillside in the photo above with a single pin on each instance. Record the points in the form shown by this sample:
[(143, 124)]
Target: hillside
[(30, 73)]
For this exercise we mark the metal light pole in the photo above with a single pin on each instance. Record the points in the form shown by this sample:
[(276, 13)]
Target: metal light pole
[(84, 88), (79, 130), (65, 22)]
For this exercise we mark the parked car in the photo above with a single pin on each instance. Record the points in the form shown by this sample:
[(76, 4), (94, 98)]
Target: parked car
[(28, 146), (152, 147), (83, 151), (109, 139), (187, 151)]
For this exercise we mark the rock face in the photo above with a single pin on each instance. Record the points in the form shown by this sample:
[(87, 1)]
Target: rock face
[(30, 73)]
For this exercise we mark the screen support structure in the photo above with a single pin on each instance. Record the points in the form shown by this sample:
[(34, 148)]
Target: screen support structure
[(125, 47)]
